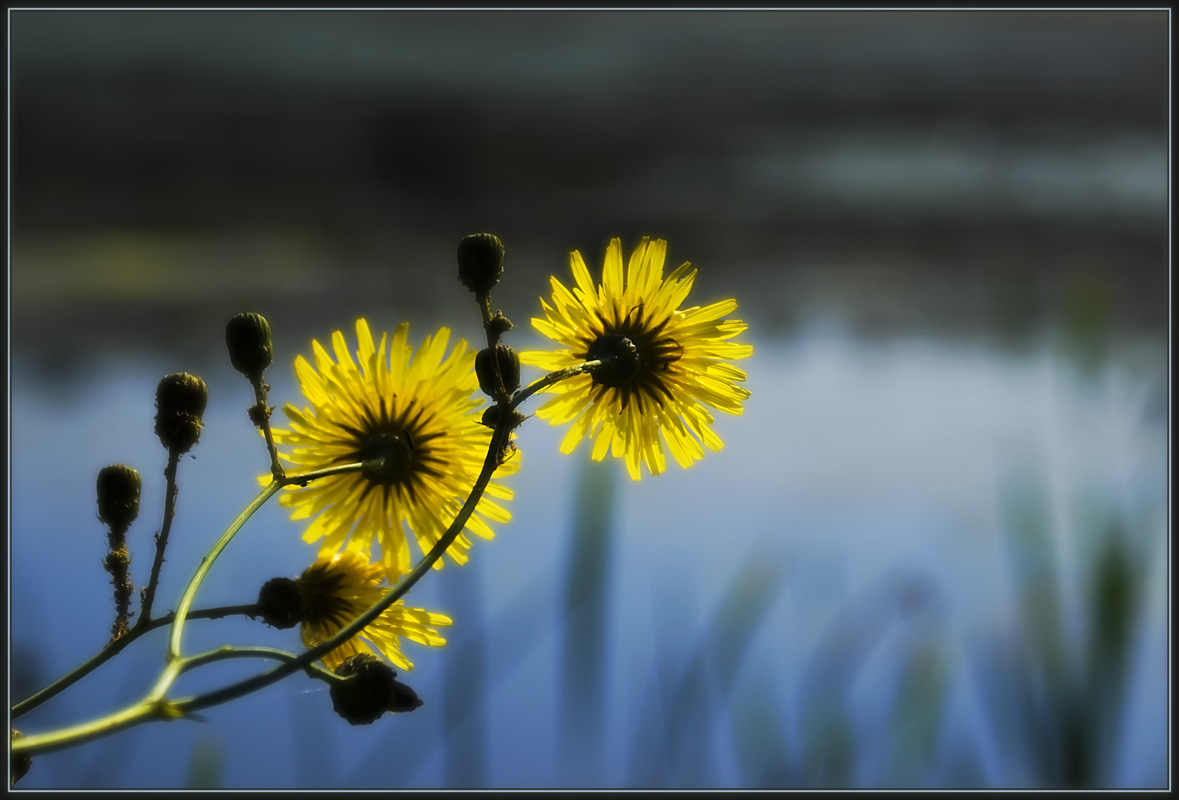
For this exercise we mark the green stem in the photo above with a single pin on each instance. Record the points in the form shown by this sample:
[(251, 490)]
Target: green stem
[(207, 564), (116, 647), (230, 652), (77, 734)]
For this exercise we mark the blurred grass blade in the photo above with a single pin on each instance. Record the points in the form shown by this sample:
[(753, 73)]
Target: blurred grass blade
[(585, 648), (206, 768)]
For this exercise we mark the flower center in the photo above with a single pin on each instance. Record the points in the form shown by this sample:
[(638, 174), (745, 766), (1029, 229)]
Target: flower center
[(619, 357), (393, 457)]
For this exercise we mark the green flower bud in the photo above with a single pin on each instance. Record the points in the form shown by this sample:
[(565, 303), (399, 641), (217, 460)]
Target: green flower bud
[(280, 603), (369, 691), (180, 402), (509, 369), (118, 495), (481, 261), (248, 338)]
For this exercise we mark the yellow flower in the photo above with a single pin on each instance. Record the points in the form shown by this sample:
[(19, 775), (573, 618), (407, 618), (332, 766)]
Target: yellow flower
[(667, 366), (415, 411), (337, 589)]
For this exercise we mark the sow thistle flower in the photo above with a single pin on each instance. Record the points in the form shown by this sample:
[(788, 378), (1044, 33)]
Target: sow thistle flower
[(337, 589), (416, 412), (666, 367)]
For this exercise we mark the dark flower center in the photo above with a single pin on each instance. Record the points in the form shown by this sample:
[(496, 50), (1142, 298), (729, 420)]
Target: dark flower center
[(619, 357), (636, 354), (393, 454)]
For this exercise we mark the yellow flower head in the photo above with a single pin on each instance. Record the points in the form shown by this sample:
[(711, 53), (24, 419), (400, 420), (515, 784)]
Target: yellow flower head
[(417, 412), (667, 365), (337, 589)]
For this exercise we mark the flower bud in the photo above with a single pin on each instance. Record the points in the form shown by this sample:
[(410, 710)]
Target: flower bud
[(18, 764), (509, 369), (247, 336), (280, 603), (481, 261), (180, 402), (369, 691), (118, 495)]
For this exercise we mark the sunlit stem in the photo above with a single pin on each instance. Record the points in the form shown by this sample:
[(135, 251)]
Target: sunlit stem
[(68, 737), (116, 647), (229, 652)]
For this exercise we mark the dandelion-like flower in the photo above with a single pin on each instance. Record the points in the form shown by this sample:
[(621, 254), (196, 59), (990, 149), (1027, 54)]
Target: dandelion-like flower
[(337, 589), (416, 412), (666, 367)]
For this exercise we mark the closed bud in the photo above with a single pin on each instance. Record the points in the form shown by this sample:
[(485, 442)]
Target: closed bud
[(247, 336), (370, 690), (180, 402), (481, 261), (118, 495), (280, 603), (509, 369)]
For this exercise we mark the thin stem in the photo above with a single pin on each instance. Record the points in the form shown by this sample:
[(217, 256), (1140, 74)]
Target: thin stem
[(207, 564), (173, 652), (231, 652), (260, 415), (149, 592), (116, 563), (114, 648), (548, 380)]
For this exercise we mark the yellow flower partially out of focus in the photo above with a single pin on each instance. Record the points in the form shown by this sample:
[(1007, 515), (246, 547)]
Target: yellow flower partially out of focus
[(668, 366), (337, 589), (415, 411)]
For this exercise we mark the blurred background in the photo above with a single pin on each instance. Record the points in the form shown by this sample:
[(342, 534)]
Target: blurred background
[(934, 550)]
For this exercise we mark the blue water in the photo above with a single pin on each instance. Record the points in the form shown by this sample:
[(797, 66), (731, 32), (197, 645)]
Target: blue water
[(857, 471)]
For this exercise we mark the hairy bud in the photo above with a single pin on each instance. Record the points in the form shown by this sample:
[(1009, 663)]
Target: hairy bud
[(180, 402), (481, 261), (118, 495), (247, 336)]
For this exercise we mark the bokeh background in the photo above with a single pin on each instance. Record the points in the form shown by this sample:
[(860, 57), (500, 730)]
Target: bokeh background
[(934, 550)]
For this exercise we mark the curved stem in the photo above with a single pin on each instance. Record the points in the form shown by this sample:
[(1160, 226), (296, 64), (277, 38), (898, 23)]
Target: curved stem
[(207, 564), (68, 737), (114, 648), (229, 652)]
